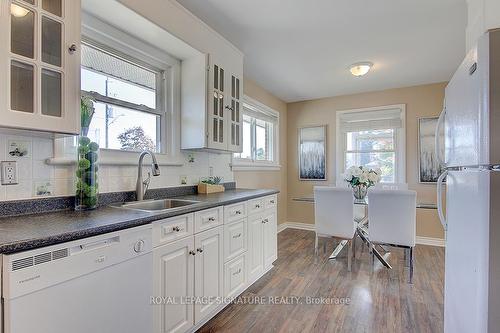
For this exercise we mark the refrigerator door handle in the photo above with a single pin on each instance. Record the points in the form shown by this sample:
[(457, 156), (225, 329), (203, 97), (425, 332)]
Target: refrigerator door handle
[(440, 184), (438, 137)]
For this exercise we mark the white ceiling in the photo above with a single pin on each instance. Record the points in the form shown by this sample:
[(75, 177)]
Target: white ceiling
[(301, 49)]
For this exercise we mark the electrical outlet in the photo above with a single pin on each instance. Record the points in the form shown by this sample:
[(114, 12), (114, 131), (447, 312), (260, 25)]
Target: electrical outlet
[(9, 172)]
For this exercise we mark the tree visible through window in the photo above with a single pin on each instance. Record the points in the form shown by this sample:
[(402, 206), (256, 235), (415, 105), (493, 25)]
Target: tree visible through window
[(373, 149), (128, 115)]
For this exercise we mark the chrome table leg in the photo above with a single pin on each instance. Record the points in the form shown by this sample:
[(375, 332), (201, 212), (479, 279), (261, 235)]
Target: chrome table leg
[(337, 250)]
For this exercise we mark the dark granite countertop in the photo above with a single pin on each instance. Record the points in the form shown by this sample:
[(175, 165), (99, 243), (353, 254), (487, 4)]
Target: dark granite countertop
[(27, 232)]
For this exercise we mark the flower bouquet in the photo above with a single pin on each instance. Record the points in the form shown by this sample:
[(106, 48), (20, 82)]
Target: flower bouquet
[(361, 178)]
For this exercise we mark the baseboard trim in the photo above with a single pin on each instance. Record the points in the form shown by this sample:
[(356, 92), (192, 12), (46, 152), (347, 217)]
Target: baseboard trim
[(310, 227)]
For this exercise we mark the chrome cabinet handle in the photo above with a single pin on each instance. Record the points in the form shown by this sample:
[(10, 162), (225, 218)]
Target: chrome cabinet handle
[(237, 236), (176, 229), (72, 48), (257, 206), (211, 219), (191, 252), (199, 249), (265, 221), (237, 272), (238, 212), (272, 201)]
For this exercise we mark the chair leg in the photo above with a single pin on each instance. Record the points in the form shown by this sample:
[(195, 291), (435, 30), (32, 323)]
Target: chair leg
[(349, 256), (354, 246), (411, 264), (316, 245), (372, 254)]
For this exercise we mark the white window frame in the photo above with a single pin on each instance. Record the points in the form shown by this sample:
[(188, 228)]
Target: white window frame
[(95, 30), (399, 142), (252, 164)]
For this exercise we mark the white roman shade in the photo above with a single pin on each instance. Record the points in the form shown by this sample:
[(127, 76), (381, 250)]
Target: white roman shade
[(259, 113), (371, 120)]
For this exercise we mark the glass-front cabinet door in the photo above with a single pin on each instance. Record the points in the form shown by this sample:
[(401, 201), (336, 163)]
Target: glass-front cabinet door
[(40, 52), (235, 115), (217, 99)]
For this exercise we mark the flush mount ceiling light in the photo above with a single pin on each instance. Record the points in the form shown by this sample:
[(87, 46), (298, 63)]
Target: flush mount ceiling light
[(360, 68), (18, 11)]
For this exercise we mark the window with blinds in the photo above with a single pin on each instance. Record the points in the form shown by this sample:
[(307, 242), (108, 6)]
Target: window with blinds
[(127, 98), (373, 139)]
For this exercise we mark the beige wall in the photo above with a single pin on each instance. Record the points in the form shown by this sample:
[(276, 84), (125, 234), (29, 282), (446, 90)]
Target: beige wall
[(421, 101), (269, 179)]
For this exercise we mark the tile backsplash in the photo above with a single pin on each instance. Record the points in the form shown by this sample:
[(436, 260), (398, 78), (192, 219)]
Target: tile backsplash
[(38, 179)]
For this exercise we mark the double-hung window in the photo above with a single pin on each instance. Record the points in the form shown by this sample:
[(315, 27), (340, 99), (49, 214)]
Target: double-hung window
[(128, 99), (260, 133), (373, 138)]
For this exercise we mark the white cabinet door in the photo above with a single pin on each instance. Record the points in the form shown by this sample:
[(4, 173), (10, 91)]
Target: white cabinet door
[(255, 247), (235, 116), (209, 260), (270, 238), (40, 52), (216, 106), (235, 276), (174, 278)]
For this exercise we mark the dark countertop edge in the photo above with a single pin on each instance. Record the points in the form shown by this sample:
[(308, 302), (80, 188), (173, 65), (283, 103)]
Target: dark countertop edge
[(35, 243)]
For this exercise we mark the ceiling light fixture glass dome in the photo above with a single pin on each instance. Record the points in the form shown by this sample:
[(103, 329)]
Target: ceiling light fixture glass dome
[(360, 68)]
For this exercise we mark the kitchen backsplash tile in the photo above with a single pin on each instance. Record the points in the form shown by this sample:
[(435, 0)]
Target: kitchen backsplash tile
[(38, 179)]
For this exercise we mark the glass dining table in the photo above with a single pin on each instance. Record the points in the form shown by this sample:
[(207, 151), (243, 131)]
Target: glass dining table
[(362, 228)]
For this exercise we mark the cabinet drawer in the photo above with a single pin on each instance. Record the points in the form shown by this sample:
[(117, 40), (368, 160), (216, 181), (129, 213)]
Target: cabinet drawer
[(168, 230), (208, 218), (235, 239), (235, 212), (271, 201), (255, 206), (235, 276)]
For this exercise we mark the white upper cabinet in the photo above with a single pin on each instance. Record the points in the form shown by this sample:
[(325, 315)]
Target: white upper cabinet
[(40, 58), (212, 119)]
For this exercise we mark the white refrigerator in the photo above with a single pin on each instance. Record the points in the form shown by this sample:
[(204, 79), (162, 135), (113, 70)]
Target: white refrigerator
[(470, 122)]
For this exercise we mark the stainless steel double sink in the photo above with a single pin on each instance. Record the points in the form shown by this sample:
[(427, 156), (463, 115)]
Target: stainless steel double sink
[(156, 205)]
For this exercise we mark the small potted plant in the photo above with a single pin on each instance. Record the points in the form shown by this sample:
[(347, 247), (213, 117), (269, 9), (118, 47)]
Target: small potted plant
[(210, 185), (361, 178)]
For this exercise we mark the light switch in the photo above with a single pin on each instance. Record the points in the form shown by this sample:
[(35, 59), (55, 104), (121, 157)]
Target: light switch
[(9, 172)]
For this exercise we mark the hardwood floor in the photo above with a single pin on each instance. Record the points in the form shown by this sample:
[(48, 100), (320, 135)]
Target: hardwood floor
[(381, 300)]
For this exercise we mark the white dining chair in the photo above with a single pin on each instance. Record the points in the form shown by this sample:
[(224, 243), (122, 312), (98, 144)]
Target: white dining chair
[(392, 220), (391, 186), (334, 216)]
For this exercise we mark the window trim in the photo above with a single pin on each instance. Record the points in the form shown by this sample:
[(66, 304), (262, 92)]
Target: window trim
[(148, 56), (399, 142), (246, 164)]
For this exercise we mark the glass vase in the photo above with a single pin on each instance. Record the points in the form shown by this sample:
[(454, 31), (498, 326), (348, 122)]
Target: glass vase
[(87, 187), (360, 191)]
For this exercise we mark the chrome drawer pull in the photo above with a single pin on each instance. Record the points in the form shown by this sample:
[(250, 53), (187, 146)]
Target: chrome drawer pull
[(272, 201), (211, 219), (199, 249), (237, 236), (238, 212), (192, 253), (237, 272), (257, 206), (176, 229)]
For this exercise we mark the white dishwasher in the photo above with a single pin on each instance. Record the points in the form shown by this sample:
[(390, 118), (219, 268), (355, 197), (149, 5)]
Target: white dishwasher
[(101, 284)]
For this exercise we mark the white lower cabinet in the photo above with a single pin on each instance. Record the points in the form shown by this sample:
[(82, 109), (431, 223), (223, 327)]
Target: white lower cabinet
[(262, 243), (270, 236), (255, 247), (174, 276), (212, 260), (208, 269)]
